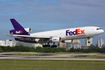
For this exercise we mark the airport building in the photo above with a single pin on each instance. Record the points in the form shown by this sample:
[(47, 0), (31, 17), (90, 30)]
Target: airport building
[(62, 45), (2, 43), (84, 47), (28, 44), (7, 43), (100, 43), (10, 43), (17, 43), (88, 42), (76, 44)]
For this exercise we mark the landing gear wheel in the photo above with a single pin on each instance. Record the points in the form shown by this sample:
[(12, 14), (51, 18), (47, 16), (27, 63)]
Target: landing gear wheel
[(88, 41), (54, 46), (46, 45)]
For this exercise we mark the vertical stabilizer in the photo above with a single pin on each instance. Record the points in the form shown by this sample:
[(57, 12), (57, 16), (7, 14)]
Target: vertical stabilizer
[(16, 25), (18, 29)]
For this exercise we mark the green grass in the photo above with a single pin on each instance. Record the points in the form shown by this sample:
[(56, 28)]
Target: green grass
[(50, 65), (27, 54)]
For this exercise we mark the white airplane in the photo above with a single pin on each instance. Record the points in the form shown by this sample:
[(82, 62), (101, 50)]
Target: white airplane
[(55, 36)]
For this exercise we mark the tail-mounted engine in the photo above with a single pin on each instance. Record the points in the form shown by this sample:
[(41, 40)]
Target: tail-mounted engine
[(28, 30)]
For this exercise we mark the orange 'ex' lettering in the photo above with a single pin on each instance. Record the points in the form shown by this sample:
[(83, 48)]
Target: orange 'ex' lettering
[(80, 32)]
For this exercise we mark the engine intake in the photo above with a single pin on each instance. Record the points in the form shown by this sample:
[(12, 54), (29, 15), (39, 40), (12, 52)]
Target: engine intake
[(55, 39), (28, 30)]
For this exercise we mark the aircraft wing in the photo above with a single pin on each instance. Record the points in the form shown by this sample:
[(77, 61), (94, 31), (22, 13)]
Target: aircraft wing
[(28, 36)]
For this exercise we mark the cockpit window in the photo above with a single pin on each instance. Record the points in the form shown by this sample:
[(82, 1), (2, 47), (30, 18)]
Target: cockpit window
[(98, 28)]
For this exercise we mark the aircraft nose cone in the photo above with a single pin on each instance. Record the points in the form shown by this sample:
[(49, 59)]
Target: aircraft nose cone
[(102, 31)]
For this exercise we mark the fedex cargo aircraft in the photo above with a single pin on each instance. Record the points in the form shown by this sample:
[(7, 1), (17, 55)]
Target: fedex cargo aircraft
[(55, 36)]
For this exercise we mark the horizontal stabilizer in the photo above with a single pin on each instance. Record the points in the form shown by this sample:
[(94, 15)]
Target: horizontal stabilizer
[(12, 36)]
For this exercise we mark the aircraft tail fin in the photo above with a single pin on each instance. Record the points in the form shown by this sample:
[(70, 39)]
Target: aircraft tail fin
[(15, 24), (18, 29)]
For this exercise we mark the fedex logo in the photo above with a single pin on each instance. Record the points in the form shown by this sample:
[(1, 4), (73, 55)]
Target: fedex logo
[(19, 31), (54, 39), (76, 32)]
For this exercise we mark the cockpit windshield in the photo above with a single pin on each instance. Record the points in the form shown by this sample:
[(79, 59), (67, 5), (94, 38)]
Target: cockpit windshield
[(98, 28)]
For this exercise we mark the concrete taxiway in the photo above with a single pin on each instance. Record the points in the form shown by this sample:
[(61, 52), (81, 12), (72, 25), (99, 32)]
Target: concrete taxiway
[(47, 57)]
